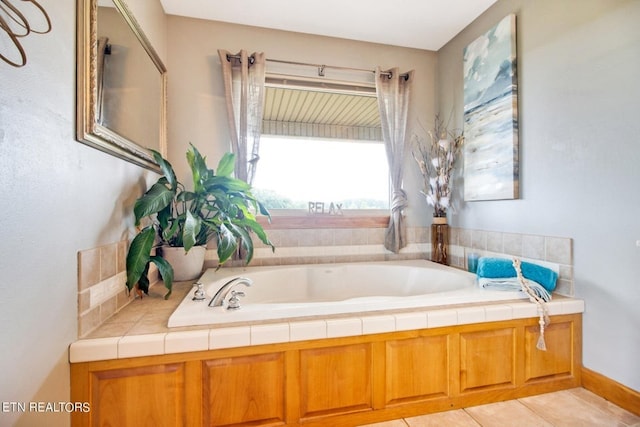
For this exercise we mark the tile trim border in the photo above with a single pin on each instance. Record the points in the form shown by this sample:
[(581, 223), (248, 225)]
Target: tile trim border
[(89, 350)]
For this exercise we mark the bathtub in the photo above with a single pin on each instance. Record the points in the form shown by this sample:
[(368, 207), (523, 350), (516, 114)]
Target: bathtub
[(307, 291)]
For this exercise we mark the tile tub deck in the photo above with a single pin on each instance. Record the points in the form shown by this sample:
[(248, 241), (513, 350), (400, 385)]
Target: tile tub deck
[(140, 329)]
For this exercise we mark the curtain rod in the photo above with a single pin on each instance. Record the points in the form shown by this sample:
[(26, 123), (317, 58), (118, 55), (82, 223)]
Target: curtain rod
[(321, 67)]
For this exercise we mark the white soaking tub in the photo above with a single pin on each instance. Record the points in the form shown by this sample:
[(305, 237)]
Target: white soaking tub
[(316, 290)]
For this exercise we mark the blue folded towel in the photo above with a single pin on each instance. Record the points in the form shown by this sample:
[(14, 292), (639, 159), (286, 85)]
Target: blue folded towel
[(498, 268)]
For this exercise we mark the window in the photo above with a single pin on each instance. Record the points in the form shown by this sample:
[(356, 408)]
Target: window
[(321, 143), (294, 171)]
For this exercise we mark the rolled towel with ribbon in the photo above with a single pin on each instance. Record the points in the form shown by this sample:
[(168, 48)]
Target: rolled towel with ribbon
[(502, 268)]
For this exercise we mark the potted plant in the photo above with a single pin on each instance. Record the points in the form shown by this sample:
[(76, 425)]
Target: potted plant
[(220, 207)]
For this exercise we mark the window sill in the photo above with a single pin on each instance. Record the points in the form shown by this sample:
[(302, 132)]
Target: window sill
[(301, 221)]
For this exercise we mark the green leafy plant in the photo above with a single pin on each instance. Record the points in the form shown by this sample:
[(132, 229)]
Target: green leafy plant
[(219, 207)]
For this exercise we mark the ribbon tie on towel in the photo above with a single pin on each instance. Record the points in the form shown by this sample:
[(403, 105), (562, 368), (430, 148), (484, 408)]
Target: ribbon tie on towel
[(535, 298)]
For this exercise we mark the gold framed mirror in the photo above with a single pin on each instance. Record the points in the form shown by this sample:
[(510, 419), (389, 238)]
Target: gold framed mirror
[(121, 84)]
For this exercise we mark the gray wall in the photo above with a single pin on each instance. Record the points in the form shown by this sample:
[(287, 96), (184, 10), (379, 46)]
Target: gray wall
[(58, 196), (579, 98)]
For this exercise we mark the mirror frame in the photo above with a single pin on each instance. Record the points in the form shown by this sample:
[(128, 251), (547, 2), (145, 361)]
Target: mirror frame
[(88, 131)]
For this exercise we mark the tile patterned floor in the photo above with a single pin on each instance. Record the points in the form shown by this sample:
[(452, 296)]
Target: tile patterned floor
[(576, 407)]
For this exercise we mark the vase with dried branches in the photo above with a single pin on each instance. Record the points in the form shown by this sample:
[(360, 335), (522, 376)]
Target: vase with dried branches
[(436, 156)]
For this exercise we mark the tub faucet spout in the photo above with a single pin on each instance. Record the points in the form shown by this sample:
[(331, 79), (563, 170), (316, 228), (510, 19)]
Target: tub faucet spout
[(220, 296)]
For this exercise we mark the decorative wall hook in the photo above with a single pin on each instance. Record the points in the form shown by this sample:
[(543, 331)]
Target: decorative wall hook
[(15, 24)]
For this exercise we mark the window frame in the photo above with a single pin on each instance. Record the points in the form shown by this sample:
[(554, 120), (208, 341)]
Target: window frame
[(301, 218)]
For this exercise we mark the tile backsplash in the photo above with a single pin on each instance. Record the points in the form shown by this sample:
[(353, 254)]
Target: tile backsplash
[(101, 284), (323, 245), (557, 251), (327, 245), (314, 246)]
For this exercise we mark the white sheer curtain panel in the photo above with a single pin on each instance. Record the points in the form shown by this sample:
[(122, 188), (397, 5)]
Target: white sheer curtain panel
[(244, 77), (394, 93)]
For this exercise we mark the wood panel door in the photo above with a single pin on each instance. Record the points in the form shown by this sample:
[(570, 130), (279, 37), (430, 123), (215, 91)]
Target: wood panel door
[(146, 396), (417, 369), (242, 390), (335, 380), (557, 360), (487, 359)]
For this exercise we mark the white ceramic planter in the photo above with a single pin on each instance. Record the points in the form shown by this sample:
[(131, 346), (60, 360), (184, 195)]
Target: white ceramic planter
[(186, 266)]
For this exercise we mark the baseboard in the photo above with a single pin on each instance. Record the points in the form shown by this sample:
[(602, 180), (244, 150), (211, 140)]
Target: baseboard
[(611, 390)]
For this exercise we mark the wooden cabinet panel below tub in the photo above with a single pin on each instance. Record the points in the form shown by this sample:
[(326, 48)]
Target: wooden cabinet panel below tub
[(487, 359), (239, 390), (558, 360), (417, 368), (335, 380), (339, 381), (149, 395)]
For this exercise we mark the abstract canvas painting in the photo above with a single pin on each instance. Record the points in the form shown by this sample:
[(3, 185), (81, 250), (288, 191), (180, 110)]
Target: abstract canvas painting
[(491, 115)]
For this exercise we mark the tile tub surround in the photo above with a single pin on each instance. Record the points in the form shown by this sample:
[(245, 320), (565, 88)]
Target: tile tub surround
[(101, 271), (140, 329), (328, 245), (101, 284), (555, 251)]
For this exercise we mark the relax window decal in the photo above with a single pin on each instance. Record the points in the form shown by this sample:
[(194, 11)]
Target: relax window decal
[(17, 23), (490, 115)]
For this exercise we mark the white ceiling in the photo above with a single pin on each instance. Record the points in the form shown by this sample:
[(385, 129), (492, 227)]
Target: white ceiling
[(422, 24)]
